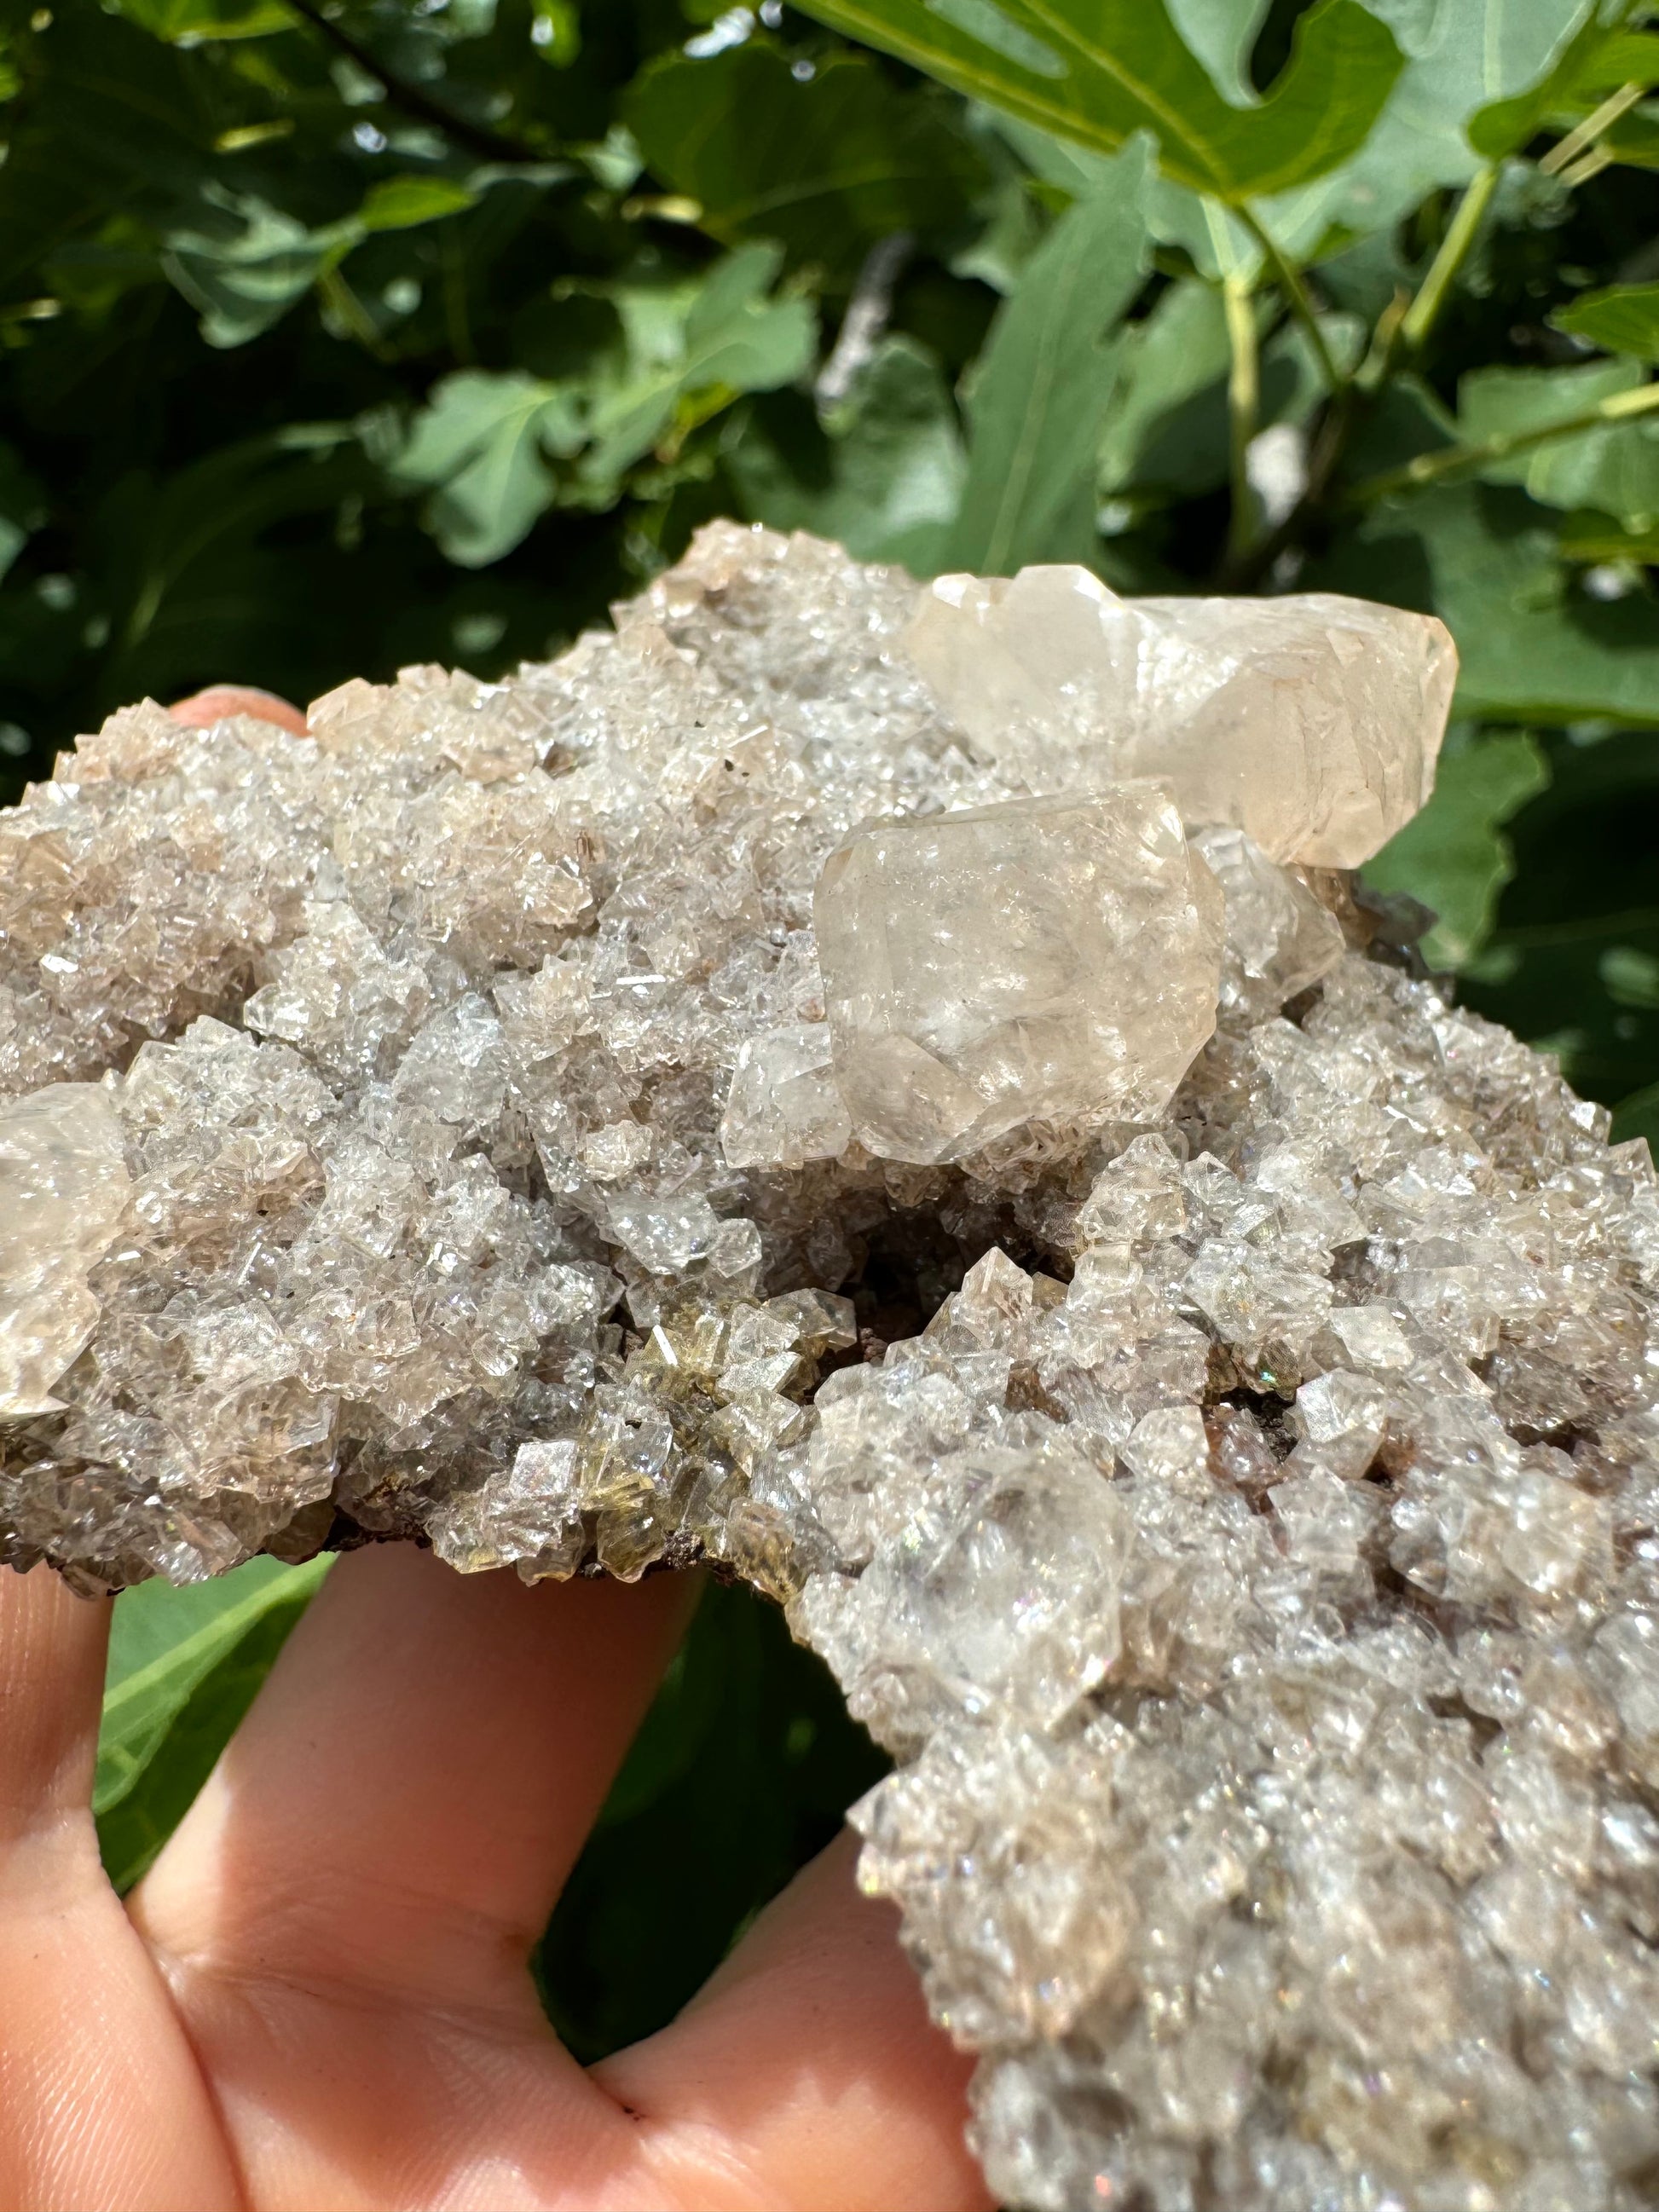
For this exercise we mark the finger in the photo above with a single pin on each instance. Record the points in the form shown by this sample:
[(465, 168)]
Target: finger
[(52, 1647), (203, 708), (810, 2058), (345, 1916), (402, 1805), (100, 2100)]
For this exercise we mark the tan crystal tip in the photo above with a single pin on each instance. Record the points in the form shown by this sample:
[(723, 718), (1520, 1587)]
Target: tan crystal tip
[(1312, 721)]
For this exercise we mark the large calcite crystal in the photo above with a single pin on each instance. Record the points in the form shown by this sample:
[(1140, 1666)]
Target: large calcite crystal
[(1048, 957), (1313, 722), (1217, 1450)]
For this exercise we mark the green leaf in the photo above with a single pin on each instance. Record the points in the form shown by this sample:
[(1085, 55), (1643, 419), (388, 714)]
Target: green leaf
[(1637, 1115), (23, 505), (1167, 432), (244, 277), (707, 340), (1600, 539), (1613, 468), (1623, 318), (187, 22), (1459, 54), (481, 442), (828, 164), (1634, 138), (1630, 976), (1222, 35), (1571, 79), (163, 1642), (1099, 70), (1040, 397), (1172, 363), (882, 474), (132, 1829), (1530, 649), (400, 203), (1453, 855)]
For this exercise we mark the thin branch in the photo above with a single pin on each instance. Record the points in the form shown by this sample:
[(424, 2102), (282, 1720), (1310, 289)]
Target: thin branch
[(1420, 318), (1593, 163), (493, 145), (1584, 134), (866, 317), (1243, 402), (1432, 468), (1296, 292)]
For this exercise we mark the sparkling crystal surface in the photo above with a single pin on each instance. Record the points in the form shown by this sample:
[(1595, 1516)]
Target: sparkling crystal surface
[(1312, 721), (1052, 958), (1223, 1472)]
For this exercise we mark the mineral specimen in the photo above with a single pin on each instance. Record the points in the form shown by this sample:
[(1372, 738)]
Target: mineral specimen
[(1210, 1428), (1313, 722)]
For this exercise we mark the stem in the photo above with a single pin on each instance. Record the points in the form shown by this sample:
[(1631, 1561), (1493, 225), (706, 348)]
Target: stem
[(1243, 400), (1430, 468), (1296, 292), (1592, 165), (1419, 317), (1585, 134), (400, 93)]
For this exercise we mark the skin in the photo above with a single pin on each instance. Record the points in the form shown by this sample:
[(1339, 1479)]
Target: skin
[(318, 1999)]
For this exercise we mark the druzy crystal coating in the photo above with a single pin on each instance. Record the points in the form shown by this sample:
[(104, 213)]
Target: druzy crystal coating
[(1312, 721), (1236, 1505)]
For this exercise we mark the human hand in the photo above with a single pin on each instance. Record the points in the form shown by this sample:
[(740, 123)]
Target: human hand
[(319, 1996)]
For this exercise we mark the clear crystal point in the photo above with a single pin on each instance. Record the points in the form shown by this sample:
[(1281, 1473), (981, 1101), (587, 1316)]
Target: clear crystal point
[(1312, 720), (1048, 958)]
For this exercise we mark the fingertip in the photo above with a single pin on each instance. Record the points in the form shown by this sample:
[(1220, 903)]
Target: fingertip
[(52, 1647), (811, 2052), (219, 700)]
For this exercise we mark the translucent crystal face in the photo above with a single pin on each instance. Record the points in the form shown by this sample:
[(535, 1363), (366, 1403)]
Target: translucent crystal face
[(1312, 721), (1051, 958), (1242, 1524), (64, 1189)]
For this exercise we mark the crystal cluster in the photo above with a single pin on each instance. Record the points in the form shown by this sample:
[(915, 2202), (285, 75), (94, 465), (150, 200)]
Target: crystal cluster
[(781, 1086)]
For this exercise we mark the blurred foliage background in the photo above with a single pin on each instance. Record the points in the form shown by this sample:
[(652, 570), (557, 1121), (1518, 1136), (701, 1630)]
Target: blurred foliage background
[(337, 335)]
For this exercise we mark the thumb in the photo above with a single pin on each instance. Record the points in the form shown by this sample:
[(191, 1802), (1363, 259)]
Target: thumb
[(219, 700)]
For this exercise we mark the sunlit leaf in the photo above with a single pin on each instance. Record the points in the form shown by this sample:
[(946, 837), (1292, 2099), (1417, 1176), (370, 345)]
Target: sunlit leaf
[(163, 1642), (1623, 318), (400, 203), (723, 334), (1531, 649), (1099, 70), (1453, 856), (1042, 388), (828, 163), (482, 442), (246, 276), (186, 23), (1574, 76), (1613, 467), (132, 1828), (1458, 54), (883, 475)]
